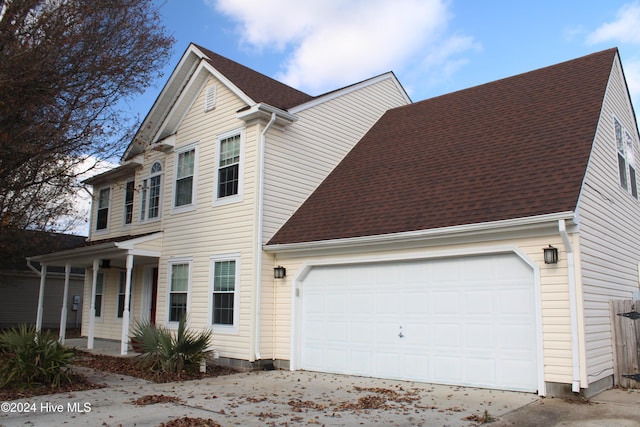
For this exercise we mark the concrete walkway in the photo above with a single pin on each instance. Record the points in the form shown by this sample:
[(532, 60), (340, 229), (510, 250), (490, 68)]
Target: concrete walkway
[(278, 398)]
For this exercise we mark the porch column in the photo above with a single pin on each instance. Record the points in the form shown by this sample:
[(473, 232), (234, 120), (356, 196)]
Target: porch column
[(43, 278), (92, 308), (65, 297), (124, 342)]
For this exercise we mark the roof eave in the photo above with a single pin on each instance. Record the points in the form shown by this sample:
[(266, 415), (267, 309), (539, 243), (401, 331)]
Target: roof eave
[(431, 234)]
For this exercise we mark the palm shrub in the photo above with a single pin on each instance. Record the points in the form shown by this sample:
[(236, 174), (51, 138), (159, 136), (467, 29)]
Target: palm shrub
[(36, 358), (164, 350)]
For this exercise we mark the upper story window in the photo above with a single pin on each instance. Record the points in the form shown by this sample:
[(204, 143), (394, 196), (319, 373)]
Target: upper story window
[(102, 216), (128, 202), (185, 177), (229, 167), (626, 163), (150, 203)]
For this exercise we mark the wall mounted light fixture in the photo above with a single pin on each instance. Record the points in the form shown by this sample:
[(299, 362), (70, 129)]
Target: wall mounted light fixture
[(279, 272), (550, 255)]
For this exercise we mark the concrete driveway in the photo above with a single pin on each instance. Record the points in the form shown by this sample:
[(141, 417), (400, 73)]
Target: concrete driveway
[(283, 398)]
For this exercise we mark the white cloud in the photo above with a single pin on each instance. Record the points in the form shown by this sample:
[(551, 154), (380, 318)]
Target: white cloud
[(623, 29), (632, 75), (332, 43)]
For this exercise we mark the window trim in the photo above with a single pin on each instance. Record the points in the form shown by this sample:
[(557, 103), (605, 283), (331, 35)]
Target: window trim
[(233, 328), (625, 159), (145, 193), (194, 184), (178, 261), (101, 278), (98, 209), (131, 181), (122, 282), (238, 197)]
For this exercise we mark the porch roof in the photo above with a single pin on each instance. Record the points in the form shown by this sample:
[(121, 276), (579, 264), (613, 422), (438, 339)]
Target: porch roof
[(114, 250)]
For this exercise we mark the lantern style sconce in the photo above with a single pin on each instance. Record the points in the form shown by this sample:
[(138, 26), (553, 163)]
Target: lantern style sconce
[(550, 255), (279, 272)]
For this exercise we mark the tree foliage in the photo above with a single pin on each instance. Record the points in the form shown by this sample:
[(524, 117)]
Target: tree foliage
[(65, 67)]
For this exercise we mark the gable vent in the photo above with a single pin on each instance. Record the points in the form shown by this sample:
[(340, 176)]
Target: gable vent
[(210, 98)]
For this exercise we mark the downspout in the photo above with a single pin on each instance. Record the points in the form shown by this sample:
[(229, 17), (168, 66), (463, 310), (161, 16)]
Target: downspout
[(263, 138), (573, 307)]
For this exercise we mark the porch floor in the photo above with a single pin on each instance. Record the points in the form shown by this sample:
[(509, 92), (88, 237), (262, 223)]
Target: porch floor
[(100, 346)]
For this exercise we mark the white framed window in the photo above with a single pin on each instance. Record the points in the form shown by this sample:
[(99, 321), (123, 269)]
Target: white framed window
[(97, 302), (179, 287), (102, 212), (626, 159), (185, 177), (224, 292), (129, 190), (151, 194), (229, 167), (122, 287)]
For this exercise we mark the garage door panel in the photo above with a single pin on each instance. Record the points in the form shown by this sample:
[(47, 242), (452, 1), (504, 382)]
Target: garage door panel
[(466, 321)]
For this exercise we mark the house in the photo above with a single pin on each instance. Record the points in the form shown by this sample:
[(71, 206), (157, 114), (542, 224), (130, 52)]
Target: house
[(422, 255), (20, 281), (473, 239), (221, 161)]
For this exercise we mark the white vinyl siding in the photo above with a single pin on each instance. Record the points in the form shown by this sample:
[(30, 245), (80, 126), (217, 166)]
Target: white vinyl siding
[(299, 158), (609, 230)]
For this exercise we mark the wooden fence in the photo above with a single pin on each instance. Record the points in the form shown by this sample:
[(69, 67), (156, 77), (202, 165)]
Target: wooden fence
[(625, 318)]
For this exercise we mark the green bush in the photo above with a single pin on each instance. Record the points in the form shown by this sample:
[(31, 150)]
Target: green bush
[(164, 350), (36, 358)]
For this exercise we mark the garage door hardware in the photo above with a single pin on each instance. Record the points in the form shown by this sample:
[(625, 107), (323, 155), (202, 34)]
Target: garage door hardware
[(633, 315)]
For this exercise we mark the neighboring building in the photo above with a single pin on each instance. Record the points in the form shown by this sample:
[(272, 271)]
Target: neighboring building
[(221, 161), (20, 282), (420, 257), (416, 247)]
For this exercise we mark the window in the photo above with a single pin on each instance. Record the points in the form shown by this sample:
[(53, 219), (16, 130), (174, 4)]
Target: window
[(224, 291), (102, 217), (150, 204), (229, 166), (97, 302), (122, 287), (179, 290), (626, 163), (128, 202), (185, 174)]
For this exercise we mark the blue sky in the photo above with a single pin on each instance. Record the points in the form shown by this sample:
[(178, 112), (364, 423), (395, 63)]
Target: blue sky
[(433, 46)]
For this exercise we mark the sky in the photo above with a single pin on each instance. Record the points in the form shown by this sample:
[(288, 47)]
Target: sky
[(433, 46)]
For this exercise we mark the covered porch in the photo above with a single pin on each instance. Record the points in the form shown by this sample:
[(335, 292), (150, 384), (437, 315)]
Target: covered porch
[(111, 266)]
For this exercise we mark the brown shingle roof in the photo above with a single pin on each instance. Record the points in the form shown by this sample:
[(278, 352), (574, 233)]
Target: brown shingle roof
[(512, 148), (257, 86)]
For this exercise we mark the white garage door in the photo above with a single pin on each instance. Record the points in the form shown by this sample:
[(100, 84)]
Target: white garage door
[(464, 321)]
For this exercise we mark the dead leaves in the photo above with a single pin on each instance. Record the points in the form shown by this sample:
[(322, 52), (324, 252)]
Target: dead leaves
[(151, 399), (190, 422)]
